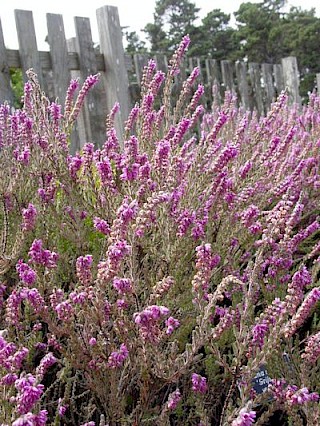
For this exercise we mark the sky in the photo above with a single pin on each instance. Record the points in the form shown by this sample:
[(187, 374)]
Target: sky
[(133, 13)]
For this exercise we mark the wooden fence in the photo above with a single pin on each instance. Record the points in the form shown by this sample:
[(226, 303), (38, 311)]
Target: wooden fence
[(256, 84)]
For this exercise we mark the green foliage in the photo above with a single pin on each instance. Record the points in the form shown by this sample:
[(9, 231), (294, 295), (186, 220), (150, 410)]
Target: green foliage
[(17, 86)]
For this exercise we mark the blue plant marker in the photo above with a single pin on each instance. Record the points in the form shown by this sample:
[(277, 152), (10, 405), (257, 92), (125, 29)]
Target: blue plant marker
[(261, 380)]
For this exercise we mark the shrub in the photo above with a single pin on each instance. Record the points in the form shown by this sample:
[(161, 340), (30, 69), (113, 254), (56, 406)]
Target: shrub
[(151, 280)]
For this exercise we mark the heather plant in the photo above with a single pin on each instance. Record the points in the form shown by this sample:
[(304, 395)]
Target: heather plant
[(149, 280)]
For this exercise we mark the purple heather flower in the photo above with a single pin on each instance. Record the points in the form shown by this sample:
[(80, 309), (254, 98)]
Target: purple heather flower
[(46, 362), (92, 341), (172, 324), (173, 400), (29, 217), (83, 267), (29, 393), (245, 418), (117, 358), (26, 274), (42, 257), (199, 383), (122, 285), (101, 225)]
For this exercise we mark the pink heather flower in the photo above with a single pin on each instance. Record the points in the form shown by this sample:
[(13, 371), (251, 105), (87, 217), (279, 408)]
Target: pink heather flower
[(90, 81), (26, 274), (295, 294), (148, 322), (46, 362), (106, 174), (55, 110), (312, 349), (92, 341), (101, 225), (42, 257), (132, 118), (302, 396), (178, 55), (13, 308), (29, 217), (116, 359), (116, 252), (64, 311), (34, 298), (78, 297), (173, 400), (30, 419), (122, 285), (29, 393), (9, 379), (259, 332), (199, 383), (245, 418), (83, 267), (18, 358), (171, 324), (88, 424), (303, 312), (62, 410), (182, 128), (74, 165)]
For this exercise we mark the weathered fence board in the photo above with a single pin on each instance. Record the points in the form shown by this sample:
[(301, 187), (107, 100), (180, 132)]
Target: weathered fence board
[(94, 110), (59, 55), (6, 92), (29, 55), (242, 82), (116, 78), (267, 76), (291, 78), (227, 70), (255, 75)]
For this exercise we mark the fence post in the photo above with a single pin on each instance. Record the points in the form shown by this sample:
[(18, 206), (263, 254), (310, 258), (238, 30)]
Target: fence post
[(267, 71), (278, 78), (59, 55), (5, 89), (227, 75), (116, 77), (318, 83), (291, 78), (95, 109), (242, 82), (28, 49), (255, 76)]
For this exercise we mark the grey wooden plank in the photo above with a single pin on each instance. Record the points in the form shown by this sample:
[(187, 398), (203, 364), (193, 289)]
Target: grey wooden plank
[(94, 108), (267, 76), (318, 82), (116, 77), (213, 71), (14, 61), (28, 50), (278, 78), (59, 55), (291, 78), (78, 135), (227, 75), (128, 59), (6, 93), (162, 62), (255, 77), (242, 83), (140, 61)]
